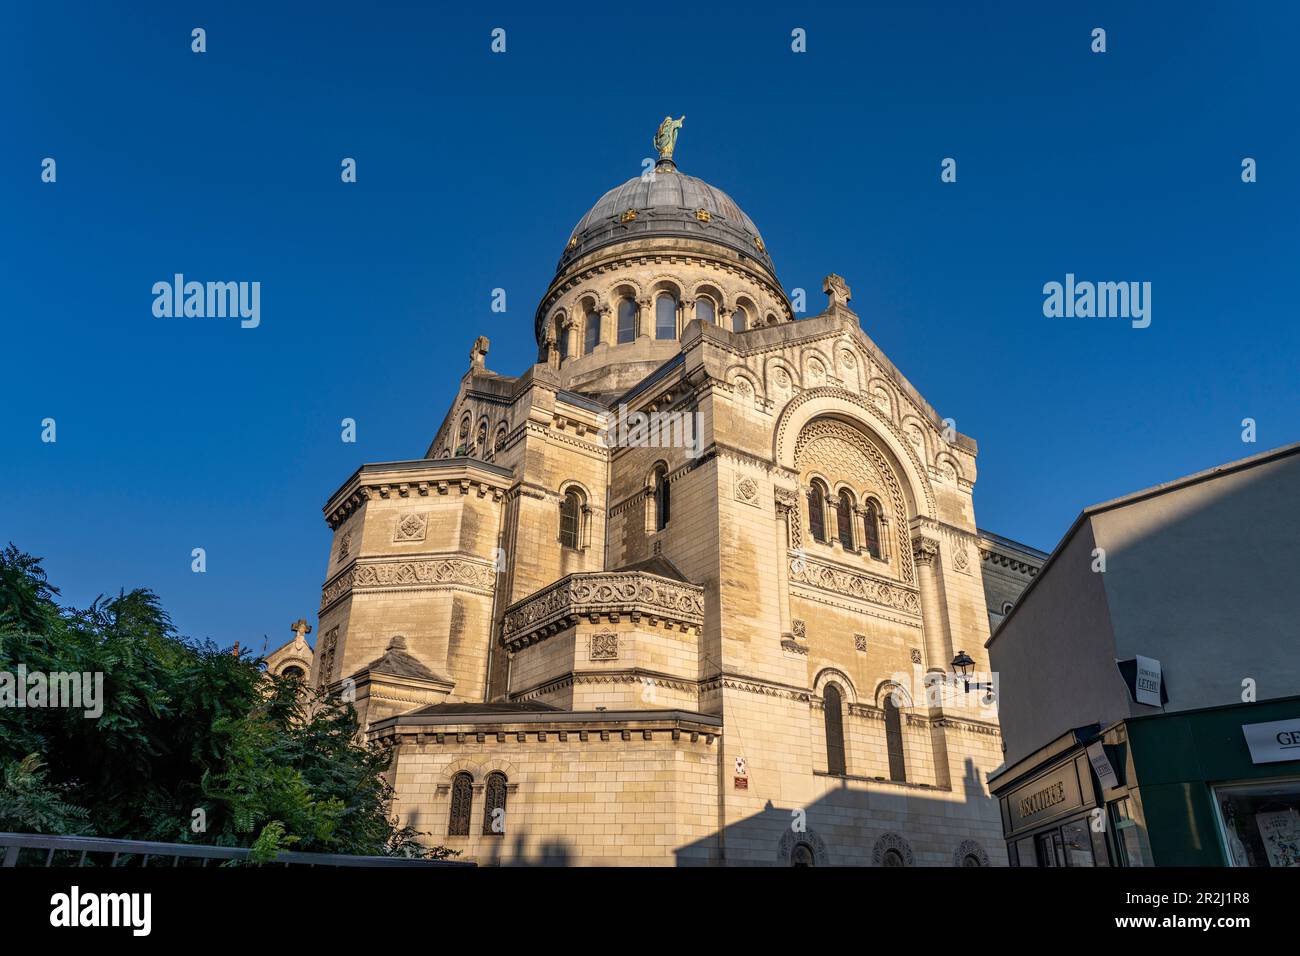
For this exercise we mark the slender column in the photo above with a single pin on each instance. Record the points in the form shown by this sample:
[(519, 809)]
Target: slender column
[(925, 552)]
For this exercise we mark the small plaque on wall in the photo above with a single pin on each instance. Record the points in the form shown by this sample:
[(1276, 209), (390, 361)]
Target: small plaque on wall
[(742, 783)]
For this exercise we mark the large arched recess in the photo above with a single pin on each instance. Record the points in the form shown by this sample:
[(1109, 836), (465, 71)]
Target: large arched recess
[(831, 402)]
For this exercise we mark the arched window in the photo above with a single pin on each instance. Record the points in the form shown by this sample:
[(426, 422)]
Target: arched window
[(591, 334), (832, 705), (562, 339), (892, 858), (571, 519), (739, 319), (970, 859), (871, 528), (705, 309), (894, 740), (462, 800), (844, 519), (802, 855), (662, 497), (665, 317), (626, 321), (817, 511), (293, 673), (494, 804)]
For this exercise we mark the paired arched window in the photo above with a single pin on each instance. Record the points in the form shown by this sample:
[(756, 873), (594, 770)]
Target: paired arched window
[(462, 802), (739, 319), (571, 519), (705, 309), (626, 321), (817, 510), (844, 518), (591, 333), (494, 804), (662, 497), (871, 528), (833, 706), (666, 317), (894, 740)]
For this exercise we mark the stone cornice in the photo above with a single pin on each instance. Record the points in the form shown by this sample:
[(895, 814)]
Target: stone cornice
[(634, 675), (602, 595), (419, 478)]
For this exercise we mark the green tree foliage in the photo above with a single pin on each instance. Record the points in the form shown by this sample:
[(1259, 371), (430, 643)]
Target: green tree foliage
[(194, 745)]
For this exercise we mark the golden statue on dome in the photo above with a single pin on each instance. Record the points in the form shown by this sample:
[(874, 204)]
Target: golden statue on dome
[(666, 138)]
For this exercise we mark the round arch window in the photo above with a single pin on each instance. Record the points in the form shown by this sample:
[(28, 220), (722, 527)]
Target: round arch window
[(802, 855), (892, 858), (293, 673), (970, 859)]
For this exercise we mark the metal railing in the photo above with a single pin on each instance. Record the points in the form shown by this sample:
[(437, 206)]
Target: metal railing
[(27, 849)]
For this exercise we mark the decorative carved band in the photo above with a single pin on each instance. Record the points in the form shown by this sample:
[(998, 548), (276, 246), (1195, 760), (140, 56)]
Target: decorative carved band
[(602, 595), (409, 575), (855, 584)]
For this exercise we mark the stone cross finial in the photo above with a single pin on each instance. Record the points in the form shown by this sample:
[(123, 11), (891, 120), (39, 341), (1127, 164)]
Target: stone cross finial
[(835, 287), (479, 352), (300, 629)]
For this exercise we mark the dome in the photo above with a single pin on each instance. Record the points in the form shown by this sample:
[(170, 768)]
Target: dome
[(668, 204)]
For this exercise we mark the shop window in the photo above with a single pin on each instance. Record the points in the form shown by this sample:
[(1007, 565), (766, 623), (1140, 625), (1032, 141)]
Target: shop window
[(1077, 843), (1260, 823), (1128, 835)]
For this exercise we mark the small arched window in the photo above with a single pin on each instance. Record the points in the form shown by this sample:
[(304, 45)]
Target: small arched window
[(462, 801), (662, 498), (817, 511), (571, 519), (665, 317), (894, 740), (871, 528), (591, 334), (626, 321), (293, 673), (494, 804), (562, 338), (844, 519), (705, 309), (739, 319), (802, 855), (832, 704)]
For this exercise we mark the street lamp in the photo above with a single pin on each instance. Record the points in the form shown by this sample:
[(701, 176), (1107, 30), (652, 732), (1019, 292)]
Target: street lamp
[(964, 665)]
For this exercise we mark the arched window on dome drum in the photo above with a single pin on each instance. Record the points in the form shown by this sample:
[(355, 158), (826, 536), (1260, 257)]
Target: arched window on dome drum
[(494, 804), (871, 528), (662, 498), (571, 518), (626, 321), (832, 705), (591, 333), (562, 340), (462, 800), (739, 319), (705, 309), (665, 317), (844, 519), (894, 740), (817, 511)]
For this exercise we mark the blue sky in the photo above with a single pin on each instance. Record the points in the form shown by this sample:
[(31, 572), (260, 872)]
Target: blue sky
[(472, 170)]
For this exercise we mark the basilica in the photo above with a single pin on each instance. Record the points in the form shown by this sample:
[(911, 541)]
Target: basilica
[(754, 636)]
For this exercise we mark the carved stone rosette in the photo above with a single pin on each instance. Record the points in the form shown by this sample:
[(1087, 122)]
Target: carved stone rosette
[(608, 595)]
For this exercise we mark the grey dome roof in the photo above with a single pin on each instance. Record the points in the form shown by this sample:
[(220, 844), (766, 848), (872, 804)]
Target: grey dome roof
[(668, 205)]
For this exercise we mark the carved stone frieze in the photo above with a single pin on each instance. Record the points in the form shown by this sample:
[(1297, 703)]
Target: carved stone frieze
[(409, 575), (865, 587), (608, 595)]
